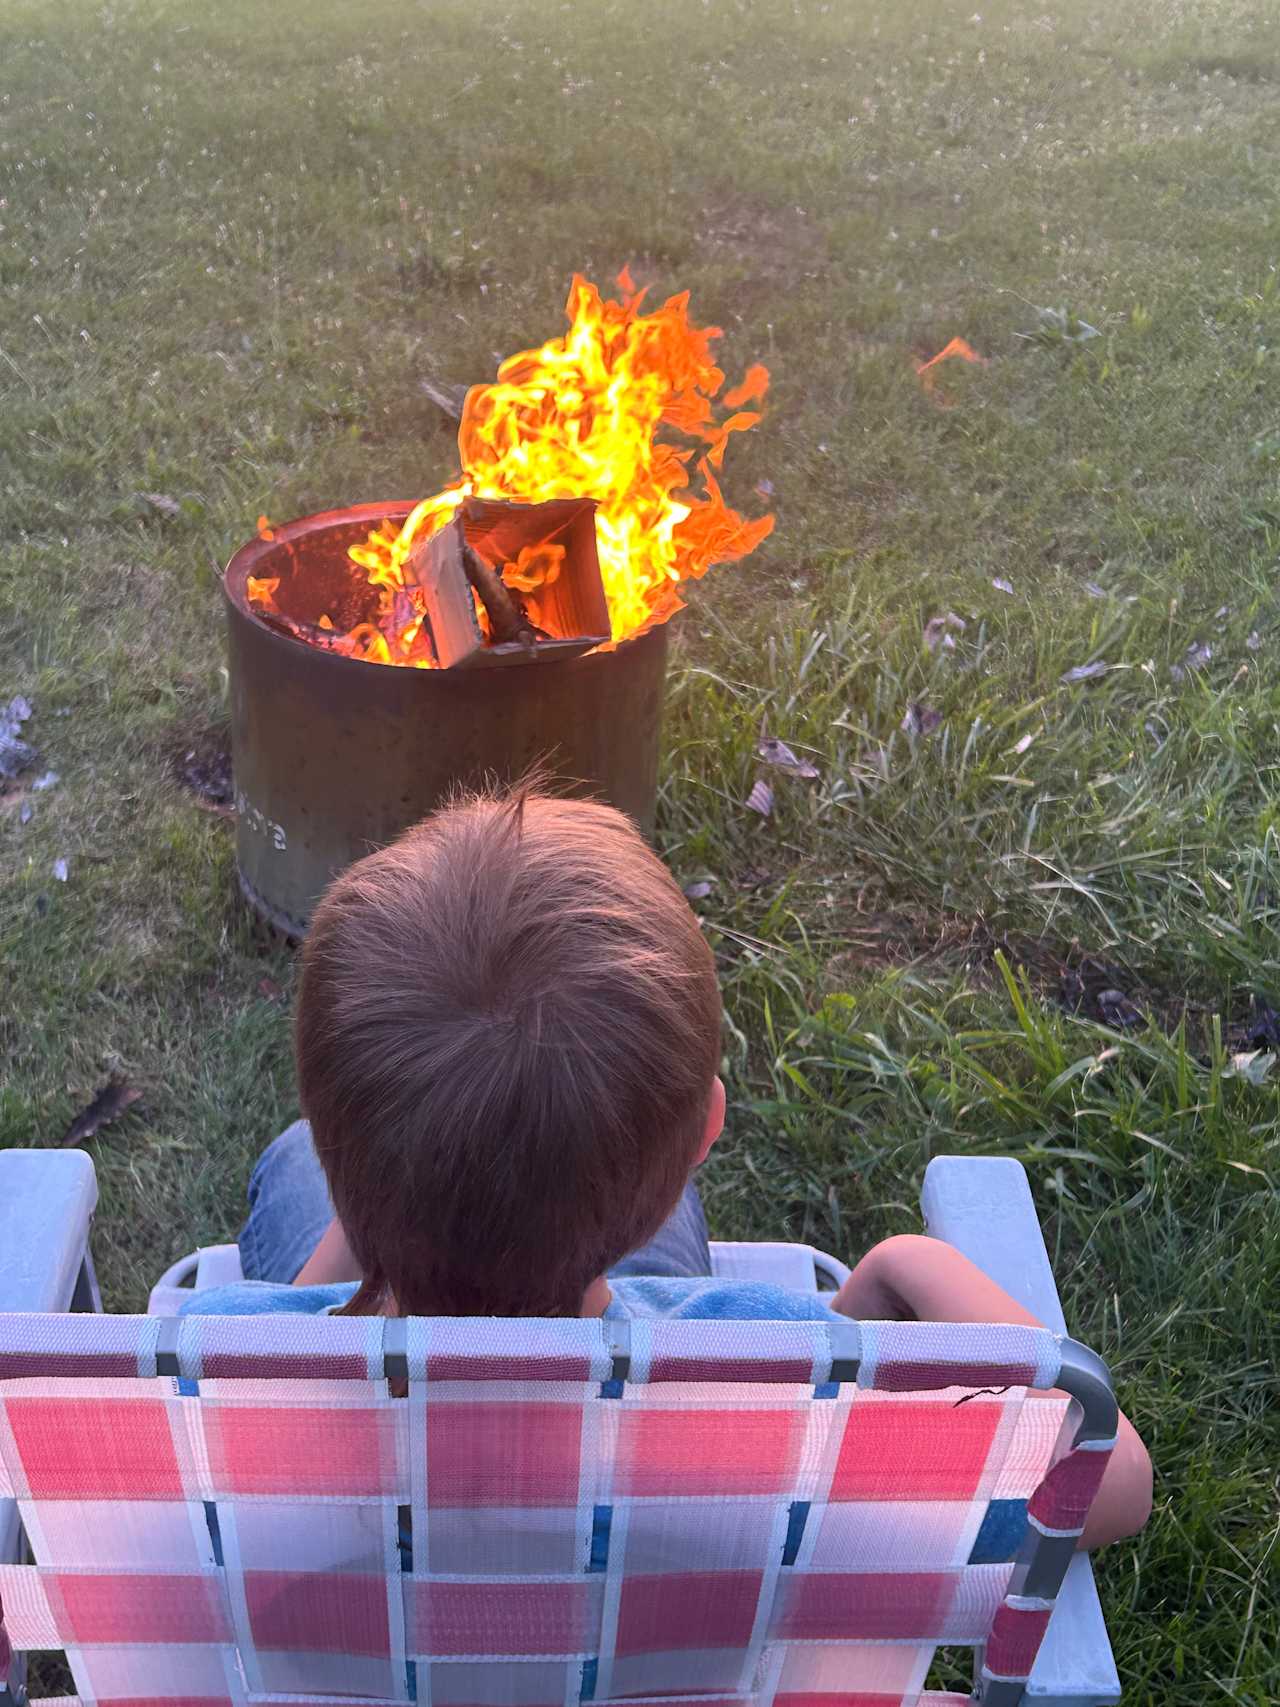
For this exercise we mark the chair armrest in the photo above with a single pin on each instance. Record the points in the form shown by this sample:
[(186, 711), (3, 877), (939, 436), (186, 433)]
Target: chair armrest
[(212, 1265), (47, 1199), (983, 1206), (218, 1265), (797, 1267)]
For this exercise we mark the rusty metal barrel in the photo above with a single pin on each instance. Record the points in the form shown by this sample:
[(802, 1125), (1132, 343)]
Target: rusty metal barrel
[(333, 756)]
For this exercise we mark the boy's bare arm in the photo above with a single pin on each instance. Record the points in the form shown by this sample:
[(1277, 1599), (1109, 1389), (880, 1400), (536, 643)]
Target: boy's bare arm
[(915, 1278), (330, 1261)]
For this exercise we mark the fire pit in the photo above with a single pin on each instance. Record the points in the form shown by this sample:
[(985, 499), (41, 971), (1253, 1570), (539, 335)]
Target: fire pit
[(333, 757), (383, 654)]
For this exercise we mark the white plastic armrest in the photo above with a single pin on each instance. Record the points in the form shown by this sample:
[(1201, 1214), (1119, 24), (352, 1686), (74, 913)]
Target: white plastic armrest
[(219, 1265), (983, 1206), (212, 1265), (47, 1199), (797, 1267), (170, 1291)]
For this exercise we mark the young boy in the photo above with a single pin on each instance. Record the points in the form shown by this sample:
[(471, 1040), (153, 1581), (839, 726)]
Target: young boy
[(508, 1036)]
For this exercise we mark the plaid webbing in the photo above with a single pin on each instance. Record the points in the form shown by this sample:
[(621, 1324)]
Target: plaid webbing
[(776, 1513)]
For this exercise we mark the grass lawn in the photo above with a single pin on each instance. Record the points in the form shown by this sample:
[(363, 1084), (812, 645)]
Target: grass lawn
[(234, 238)]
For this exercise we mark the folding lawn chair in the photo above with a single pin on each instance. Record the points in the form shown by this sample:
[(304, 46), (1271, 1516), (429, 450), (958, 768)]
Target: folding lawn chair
[(474, 1512)]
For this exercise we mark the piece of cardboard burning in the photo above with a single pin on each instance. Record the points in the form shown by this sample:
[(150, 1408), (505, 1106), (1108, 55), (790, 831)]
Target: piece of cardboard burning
[(532, 567)]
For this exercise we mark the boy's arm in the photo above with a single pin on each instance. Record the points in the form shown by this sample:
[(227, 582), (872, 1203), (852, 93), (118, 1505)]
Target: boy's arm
[(330, 1261), (914, 1278)]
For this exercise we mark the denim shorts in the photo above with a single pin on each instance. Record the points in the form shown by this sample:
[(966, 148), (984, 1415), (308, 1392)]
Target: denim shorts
[(289, 1210)]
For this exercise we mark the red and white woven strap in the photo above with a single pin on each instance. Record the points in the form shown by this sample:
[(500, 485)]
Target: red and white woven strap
[(679, 1505)]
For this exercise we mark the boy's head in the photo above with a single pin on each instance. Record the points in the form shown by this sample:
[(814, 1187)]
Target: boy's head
[(507, 1040)]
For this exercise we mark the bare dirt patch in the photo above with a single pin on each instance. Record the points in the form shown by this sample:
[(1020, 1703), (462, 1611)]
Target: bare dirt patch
[(772, 242), (200, 762), (1063, 975)]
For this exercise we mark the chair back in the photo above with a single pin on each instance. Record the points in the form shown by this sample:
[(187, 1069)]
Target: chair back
[(487, 1513)]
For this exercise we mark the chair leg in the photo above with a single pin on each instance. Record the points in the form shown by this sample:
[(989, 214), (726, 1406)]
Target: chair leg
[(86, 1299)]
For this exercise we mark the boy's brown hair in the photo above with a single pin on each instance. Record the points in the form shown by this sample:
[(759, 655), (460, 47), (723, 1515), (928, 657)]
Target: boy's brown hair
[(507, 1033)]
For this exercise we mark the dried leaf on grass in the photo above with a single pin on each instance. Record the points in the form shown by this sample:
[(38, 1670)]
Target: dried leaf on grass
[(1254, 1066), (761, 798), (268, 988), (920, 719), (938, 631), (161, 501), (15, 753), (1021, 744), (114, 1098), (775, 752), (1060, 326)]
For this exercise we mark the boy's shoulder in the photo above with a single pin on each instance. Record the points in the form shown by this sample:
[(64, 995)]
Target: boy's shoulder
[(711, 1300)]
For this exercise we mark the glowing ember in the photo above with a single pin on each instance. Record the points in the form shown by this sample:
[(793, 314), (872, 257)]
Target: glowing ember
[(581, 418), (956, 348)]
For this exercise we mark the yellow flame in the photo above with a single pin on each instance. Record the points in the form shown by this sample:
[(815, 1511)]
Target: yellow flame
[(581, 418)]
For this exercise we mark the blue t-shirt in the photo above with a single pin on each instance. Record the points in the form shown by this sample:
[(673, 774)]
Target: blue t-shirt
[(700, 1300)]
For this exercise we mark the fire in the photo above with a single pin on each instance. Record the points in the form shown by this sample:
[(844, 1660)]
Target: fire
[(957, 347), (589, 415)]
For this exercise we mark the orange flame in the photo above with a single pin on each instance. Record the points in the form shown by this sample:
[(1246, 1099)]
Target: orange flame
[(581, 418), (536, 566), (957, 347)]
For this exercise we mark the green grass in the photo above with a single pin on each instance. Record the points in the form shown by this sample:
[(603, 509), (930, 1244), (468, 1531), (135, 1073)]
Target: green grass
[(232, 240)]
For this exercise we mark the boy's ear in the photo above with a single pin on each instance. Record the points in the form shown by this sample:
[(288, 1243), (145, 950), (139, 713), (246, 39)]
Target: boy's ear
[(715, 1118)]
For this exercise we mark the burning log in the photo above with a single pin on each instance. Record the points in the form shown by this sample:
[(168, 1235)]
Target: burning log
[(323, 639), (508, 619), (510, 557)]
